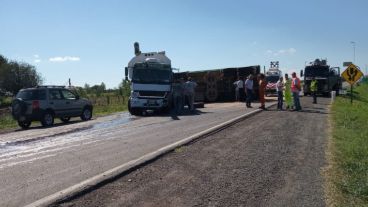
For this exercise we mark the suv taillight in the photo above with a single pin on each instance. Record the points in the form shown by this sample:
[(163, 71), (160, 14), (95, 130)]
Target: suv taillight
[(35, 104)]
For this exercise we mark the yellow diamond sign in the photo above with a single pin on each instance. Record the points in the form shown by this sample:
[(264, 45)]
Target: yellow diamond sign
[(352, 74)]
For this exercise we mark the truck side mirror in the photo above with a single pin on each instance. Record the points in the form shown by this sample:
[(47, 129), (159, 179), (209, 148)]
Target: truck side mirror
[(301, 73), (126, 73)]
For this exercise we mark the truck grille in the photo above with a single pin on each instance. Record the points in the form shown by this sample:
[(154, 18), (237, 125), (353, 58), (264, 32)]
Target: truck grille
[(152, 93)]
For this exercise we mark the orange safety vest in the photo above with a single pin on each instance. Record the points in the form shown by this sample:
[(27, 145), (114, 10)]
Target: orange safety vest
[(295, 86)]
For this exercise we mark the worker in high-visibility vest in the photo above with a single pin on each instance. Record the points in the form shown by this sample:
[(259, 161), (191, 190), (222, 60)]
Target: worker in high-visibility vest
[(313, 89), (287, 92)]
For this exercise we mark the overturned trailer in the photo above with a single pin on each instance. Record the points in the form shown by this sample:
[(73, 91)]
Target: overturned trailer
[(217, 85)]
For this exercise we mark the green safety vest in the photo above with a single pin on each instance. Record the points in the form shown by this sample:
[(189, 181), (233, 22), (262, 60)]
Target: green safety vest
[(313, 85)]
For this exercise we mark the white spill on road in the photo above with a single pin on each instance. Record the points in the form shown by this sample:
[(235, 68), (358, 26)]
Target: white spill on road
[(26, 151)]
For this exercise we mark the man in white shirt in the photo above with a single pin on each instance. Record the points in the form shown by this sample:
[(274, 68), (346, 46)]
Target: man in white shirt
[(280, 96), (240, 92), (190, 90), (249, 90)]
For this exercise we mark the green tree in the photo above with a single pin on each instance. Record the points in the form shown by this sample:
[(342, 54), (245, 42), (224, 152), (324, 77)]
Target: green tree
[(15, 76), (124, 88)]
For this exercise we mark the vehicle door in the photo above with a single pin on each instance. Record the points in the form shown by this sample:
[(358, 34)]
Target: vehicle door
[(73, 105), (57, 102)]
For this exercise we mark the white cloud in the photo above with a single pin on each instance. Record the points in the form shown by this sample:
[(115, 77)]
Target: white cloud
[(37, 60), (36, 56), (289, 51), (64, 59)]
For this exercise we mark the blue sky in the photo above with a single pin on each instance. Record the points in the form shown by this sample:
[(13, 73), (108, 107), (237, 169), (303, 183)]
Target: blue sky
[(92, 41)]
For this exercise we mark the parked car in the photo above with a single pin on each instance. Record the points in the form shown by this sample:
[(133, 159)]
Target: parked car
[(45, 103)]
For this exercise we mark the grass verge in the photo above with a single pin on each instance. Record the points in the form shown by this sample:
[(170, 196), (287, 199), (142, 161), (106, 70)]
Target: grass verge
[(7, 122), (105, 110), (347, 176)]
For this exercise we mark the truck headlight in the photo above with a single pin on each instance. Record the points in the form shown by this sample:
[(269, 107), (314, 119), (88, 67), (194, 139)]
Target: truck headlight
[(134, 94)]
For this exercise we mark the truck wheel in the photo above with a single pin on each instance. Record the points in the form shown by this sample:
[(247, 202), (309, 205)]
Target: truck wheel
[(47, 119), (166, 109), (24, 124), (337, 92), (86, 114), (134, 111)]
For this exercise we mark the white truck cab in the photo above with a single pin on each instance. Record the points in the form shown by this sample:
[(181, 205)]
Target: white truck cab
[(150, 75), (272, 76)]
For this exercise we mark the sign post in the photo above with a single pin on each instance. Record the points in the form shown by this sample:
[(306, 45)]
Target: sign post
[(352, 74)]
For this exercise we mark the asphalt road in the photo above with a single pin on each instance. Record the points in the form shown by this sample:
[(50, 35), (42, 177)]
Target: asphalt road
[(41, 161), (271, 159)]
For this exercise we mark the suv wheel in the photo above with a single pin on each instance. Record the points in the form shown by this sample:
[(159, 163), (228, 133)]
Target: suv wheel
[(24, 124), (47, 119), (86, 114), (65, 119)]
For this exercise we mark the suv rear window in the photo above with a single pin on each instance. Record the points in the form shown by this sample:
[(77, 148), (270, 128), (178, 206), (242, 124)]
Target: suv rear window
[(32, 94)]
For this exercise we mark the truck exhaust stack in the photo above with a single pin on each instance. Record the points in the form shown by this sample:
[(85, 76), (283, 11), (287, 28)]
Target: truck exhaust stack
[(136, 49)]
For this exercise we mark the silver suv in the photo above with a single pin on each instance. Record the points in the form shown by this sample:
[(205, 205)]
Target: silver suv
[(44, 103)]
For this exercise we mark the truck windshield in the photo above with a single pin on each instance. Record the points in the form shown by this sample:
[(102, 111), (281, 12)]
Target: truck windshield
[(319, 71), (152, 73), (272, 79)]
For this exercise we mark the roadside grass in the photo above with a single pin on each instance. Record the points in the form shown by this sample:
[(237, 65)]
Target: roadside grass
[(7, 121), (109, 109), (347, 177), (5, 101)]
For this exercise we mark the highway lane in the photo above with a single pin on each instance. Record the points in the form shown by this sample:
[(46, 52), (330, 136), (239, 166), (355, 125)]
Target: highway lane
[(39, 162), (274, 158)]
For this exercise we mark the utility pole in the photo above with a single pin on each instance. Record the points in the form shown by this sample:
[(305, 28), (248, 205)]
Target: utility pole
[(353, 43), (70, 83)]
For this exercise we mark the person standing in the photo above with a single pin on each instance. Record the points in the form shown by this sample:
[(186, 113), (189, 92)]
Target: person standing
[(178, 96), (239, 84), (190, 89), (295, 89), (249, 91), (279, 89), (241, 89), (287, 92), (313, 89), (262, 88), (236, 90)]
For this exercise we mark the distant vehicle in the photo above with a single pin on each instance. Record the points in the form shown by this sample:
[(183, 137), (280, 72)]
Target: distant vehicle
[(44, 103), (328, 78), (151, 81), (272, 76)]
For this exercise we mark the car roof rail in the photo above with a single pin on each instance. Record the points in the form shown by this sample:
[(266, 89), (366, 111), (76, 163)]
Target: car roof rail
[(50, 86)]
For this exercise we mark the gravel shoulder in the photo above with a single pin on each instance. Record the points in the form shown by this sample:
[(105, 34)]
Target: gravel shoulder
[(271, 159)]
